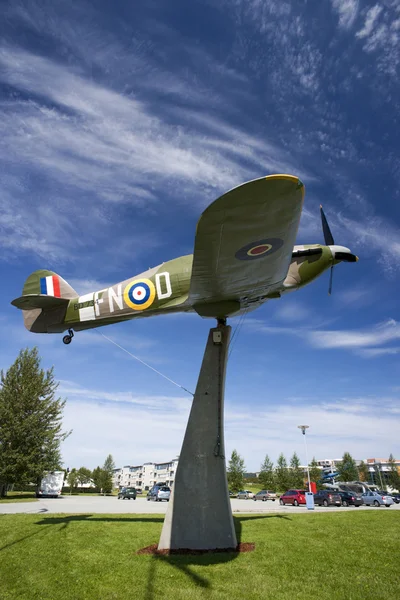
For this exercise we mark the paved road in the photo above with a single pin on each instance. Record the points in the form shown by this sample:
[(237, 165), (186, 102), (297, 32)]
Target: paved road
[(111, 505)]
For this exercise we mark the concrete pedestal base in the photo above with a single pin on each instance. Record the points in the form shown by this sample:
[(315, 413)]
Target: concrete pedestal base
[(199, 515)]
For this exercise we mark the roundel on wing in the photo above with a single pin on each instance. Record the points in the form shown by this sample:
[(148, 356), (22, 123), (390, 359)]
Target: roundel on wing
[(140, 294), (259, 249)]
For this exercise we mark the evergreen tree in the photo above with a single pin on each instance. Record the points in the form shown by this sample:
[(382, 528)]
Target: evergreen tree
[(236, 470), (282, 475), (296, 474), (105, 475), (267, 477), (30, 422), (347, 468), (363, 472), (394, 477), (315, 473), (97, 478)]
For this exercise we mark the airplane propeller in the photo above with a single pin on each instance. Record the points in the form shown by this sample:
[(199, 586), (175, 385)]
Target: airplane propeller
[(338, 252)]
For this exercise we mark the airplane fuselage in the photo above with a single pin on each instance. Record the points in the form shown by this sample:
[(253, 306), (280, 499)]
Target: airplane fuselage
[(165, 288)]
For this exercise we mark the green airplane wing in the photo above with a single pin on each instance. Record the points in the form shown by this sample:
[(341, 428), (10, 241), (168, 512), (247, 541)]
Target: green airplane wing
[(244, 243)]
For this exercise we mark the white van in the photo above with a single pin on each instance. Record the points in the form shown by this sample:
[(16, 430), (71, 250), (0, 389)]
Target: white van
[(51, 485)]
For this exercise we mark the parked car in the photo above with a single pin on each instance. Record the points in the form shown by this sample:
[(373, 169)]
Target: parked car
[(294, 497), (158, 493), (395, 497), (375, 499), (265, 495), (244, 494), (327, 498), (349, 499), (127, 493)]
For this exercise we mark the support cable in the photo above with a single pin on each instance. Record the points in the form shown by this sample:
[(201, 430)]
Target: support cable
[(145, 364), (236, 332)]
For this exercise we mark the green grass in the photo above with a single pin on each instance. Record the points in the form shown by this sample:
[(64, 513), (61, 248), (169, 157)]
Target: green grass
[(351, 555), (19, 497)]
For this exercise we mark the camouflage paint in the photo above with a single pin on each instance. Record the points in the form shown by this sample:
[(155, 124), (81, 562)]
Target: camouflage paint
[(243, 257)]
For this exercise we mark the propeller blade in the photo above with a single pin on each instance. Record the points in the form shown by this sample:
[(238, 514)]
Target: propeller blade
[(330, 281), (329, 241)]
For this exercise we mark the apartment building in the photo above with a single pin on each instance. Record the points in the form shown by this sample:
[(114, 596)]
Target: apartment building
[(379, 469), (143, 477)]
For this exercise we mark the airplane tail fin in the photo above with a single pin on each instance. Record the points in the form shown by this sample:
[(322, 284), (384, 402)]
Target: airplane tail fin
[(44, 301)]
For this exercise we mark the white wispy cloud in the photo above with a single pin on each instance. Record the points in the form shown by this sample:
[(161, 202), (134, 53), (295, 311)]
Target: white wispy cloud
[(373, 352), (106, 147), (374, 234), (85, 286), (380, 34), (347, 11), (370, 20), (139, 429), (356, 296), (291, 310), (350, 339), (380, 334)]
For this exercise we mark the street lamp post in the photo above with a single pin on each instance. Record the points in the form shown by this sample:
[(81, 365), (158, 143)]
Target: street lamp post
[(303, 429)]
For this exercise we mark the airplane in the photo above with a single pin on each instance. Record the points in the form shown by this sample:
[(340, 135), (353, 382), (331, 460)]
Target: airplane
[(244, 255)]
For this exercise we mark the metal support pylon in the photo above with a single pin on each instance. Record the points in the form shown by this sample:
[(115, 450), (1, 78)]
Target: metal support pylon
[(199, 515)]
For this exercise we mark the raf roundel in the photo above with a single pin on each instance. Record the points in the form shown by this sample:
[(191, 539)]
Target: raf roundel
[(259, 249), (140, 294)]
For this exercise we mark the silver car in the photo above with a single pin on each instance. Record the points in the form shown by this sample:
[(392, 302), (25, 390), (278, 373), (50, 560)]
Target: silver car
[(245, 494), (158, 493), (265, 495), (375, 499)]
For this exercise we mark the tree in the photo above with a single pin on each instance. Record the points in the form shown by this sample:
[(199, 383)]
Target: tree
[(97, 477), (394, 477), (363, 471), (105, 475), (84, 475), (282, 476), (296, 473), (236, 470), (267, 477), (73, 480), (315, 473), (30, 422), (347, 468)]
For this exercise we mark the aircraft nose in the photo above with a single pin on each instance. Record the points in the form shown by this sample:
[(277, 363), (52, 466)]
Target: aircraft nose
[(343, 254)]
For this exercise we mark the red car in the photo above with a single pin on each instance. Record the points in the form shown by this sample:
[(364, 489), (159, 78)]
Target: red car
[(294, 497)]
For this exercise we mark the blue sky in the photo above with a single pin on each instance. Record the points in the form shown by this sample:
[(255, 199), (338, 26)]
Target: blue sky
[(120, 123)]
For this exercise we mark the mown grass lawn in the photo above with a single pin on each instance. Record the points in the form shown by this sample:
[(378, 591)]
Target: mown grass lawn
[(19, 497), (329, 556)]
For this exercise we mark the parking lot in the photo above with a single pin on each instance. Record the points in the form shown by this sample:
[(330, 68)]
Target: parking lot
[(111, 505)]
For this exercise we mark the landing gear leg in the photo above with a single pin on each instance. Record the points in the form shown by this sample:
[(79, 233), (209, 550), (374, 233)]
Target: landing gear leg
[(67, 339)]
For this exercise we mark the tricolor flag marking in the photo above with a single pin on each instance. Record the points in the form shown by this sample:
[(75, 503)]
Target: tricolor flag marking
[(50, 286)]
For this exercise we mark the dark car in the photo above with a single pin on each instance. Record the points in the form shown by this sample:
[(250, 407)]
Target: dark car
[(294, 497), (127, 493), (349, 499), (158, 493), (327, 498), (396, 498)]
